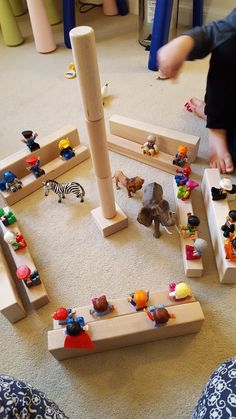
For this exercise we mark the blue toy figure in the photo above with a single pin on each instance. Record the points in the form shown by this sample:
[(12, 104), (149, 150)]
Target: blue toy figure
[(33, 163), (29, 140), (66, 152), (10, 182)]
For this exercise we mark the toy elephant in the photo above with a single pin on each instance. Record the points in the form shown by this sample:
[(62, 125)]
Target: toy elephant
[(155, 208)]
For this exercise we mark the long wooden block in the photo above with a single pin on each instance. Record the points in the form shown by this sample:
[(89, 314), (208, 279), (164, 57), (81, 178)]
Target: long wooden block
[(217, 212), (192, 268), (10, 303), (133, 150), (37, 294), (167, 139), (131, 329), (122, 307)]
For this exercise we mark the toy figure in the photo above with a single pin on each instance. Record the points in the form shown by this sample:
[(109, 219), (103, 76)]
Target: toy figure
[(150, 147), (139, 299), (159, 315), (182, 175), (192, 226), (195, 252), (16, 240), (62, 189), (7, 218), (226, 187), (10, 182), (181, 157), (184, 191), (23, 272), (76, 336), (33, 163), (71, 72), (101, 307), (132, 185), (229, 227), (180, 291), (230, 249), (30, 140), (66, 152)]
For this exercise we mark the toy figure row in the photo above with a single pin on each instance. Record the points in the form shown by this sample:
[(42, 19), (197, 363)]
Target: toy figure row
[(10, 181), (17, 242), (76, 329)]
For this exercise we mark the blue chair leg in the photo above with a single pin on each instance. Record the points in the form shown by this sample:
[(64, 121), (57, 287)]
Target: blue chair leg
[(69, 19), (160, 30), (198, 12)]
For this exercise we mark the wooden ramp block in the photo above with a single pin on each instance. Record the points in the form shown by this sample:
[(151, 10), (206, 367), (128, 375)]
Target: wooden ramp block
[(133, 150), (168, 139), (192, 268), (37, 294), (10, 303), (131, 329), (217, 212), (50, 161), (123, 307)]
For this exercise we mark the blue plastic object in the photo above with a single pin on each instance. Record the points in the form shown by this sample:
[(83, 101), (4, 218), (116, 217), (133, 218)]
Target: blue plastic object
[(198, 12), (69, 19), (160, 31), (122, 7)]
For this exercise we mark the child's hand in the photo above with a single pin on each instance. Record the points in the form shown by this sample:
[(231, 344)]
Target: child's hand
[(172, 55)]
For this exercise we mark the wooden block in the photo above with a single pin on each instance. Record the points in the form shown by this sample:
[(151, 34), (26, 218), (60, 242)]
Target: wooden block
[(37, 294), (133, 150), (50, 161), (10, 303), (168, 140), (123, 307), (192, 268), (217, 212), (112, 225), (131, 329)]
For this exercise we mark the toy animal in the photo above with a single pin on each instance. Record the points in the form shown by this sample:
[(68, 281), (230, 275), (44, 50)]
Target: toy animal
[(132, 185), (62, 189), (155, 208)]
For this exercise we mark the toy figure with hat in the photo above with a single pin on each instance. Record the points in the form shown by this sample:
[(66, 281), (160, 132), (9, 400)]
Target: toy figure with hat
[(33, 163), (150, 147), (29, 140), (226, 187), (181, 157), (16, 240), (139, 299), (23, 272), (66, 151), (10, 182)]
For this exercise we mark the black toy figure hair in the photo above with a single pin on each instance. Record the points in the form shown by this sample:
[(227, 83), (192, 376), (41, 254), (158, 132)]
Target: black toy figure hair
[(193, 220), (74, 329), (232, 215)]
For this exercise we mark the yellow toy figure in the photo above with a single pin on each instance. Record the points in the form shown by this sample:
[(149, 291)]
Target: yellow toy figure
[(150, 147), (180, 291), (66, 151), (71, 72)]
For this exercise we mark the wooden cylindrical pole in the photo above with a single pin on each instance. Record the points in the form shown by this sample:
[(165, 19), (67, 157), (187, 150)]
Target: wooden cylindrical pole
[(43, 34), (85, 59)]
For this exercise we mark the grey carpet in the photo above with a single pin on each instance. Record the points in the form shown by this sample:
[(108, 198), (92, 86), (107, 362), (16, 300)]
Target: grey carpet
[(155, 380)]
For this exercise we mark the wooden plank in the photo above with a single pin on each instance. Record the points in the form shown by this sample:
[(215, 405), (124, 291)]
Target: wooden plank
[(129, 330), (192, 268), (167, 139), (133, 150), (10, 303), (217, 212), (123, 307), (53, 169), (37, 294)]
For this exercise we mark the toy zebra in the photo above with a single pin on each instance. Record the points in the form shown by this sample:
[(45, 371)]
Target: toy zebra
[(61, 189)]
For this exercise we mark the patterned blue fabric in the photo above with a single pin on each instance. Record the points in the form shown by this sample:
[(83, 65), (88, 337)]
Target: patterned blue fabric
[(218, 399), (22, 401)]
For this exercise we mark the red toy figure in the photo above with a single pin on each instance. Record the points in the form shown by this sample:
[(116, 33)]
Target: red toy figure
[(33, 163), (23, 272), (101, 307), (16, 240), (182, 175), (195, 252)]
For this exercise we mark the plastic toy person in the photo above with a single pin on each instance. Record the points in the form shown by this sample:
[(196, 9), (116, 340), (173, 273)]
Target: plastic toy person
[(71, 72), (16, 240), (66, 152), (139, 299), (33, 163), (29, 140), (184, 191), (159, 315), (195, 252), (180, 291), (182, 175), (150, 147), (229, 227), (192, 226), (230, 249), (226, 187), (101, 307), (181, 157), (10, 182), (7, 218), (23, 273)]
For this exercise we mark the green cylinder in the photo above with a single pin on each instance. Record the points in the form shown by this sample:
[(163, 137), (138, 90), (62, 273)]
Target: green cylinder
[(53, 11), (17, 7), (10, 31)]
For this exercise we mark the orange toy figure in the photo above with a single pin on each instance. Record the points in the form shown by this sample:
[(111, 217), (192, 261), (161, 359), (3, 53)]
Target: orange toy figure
[(139, 299), (181, 157), (230, 249)]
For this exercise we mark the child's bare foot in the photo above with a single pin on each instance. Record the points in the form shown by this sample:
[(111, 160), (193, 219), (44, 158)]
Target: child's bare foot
[(196, 106), (220, 156)]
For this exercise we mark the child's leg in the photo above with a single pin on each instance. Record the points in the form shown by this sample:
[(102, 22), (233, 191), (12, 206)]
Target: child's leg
[(220, 156)]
